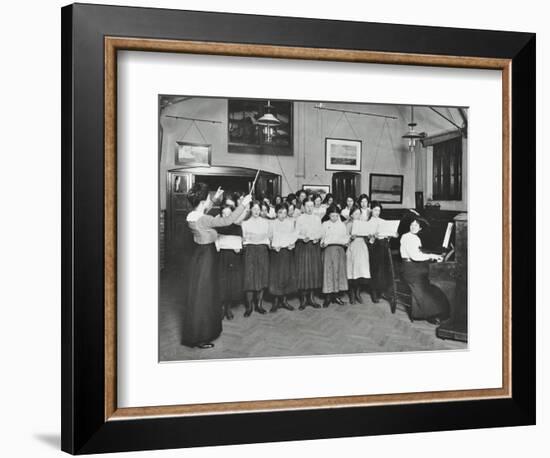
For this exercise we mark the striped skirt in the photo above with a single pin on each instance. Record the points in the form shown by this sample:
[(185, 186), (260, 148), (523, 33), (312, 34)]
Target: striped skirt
[(335, 278), (309, 266), (282, 273), (256, 268)]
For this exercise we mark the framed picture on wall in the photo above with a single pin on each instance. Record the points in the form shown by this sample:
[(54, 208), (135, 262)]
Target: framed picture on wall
[(322, 189), (342, 154), (118, 395), (260, 126), (387, 189), (193, 154)]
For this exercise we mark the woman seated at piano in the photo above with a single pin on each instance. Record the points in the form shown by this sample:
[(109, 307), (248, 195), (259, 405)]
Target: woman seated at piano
[(430, 302)]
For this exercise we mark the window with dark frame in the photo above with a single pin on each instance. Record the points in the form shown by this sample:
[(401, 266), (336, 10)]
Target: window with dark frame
[(447, 170)]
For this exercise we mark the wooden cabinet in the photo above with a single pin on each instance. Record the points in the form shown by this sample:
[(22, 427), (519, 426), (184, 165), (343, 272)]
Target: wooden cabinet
[(345, 184)]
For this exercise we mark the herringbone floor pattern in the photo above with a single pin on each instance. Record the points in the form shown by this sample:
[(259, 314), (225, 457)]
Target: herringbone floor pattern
[(358, 328)]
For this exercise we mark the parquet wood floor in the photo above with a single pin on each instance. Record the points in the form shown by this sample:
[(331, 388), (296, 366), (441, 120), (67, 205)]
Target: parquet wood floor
[(347, 329)]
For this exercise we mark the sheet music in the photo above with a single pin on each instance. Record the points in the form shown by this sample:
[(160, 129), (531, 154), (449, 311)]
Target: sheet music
[(447, 237), (283, 240), (364, 228), (229, 242), (388, 228)]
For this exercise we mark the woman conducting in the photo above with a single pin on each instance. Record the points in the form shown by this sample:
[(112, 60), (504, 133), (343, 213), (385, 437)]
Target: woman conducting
[(430, 302), (202, 318)]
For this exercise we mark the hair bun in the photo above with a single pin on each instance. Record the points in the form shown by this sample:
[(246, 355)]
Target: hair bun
[(197, 193)]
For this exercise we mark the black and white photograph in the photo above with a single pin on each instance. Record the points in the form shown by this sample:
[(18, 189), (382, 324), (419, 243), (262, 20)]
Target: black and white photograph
[(296, 228)]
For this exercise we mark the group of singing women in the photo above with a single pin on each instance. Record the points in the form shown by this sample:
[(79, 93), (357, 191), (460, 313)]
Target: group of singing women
[(322, 254)]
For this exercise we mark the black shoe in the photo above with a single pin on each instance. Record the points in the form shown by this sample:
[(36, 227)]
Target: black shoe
[(275, 305), (205, 345), (351, 297), (286, 305), (228, 313), (311, 301), (375, 298), (260, 309), (337, 300), (302, 301), (326, 302), (357, 295), (248, 310)]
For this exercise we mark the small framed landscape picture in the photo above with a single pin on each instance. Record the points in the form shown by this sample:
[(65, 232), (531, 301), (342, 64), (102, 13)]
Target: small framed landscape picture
[(342, 154), (322, 189), (193, 154), (386, 188)]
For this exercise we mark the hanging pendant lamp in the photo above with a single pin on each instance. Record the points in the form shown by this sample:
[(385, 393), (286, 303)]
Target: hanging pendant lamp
[(269, 122), (412, 136)]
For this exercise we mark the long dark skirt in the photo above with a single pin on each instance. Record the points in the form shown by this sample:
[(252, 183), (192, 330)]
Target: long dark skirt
[(202, 318), (309, 266), (429, 301), (282, 272), (380, 269), (335, 278), (256, 267), (230, 276)]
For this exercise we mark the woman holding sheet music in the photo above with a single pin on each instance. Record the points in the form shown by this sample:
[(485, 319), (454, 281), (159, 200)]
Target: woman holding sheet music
[(378, 256), (230, 267), (358, 264), (256, 235), (282, 276), (309, 267), (334, 241)]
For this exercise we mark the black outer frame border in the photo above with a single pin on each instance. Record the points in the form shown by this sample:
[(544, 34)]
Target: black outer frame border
[(84, 429)]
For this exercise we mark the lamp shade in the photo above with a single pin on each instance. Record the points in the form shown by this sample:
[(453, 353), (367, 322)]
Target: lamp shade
[(268, 120), (412, 134)]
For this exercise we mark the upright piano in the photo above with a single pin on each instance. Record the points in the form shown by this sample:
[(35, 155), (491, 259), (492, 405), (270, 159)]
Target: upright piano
[(452, 278)]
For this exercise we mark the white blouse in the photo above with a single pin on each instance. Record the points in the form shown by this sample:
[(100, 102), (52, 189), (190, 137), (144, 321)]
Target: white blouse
[(410, 248), (365, 214), (345, 212), (256, 231), (320, 211)]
